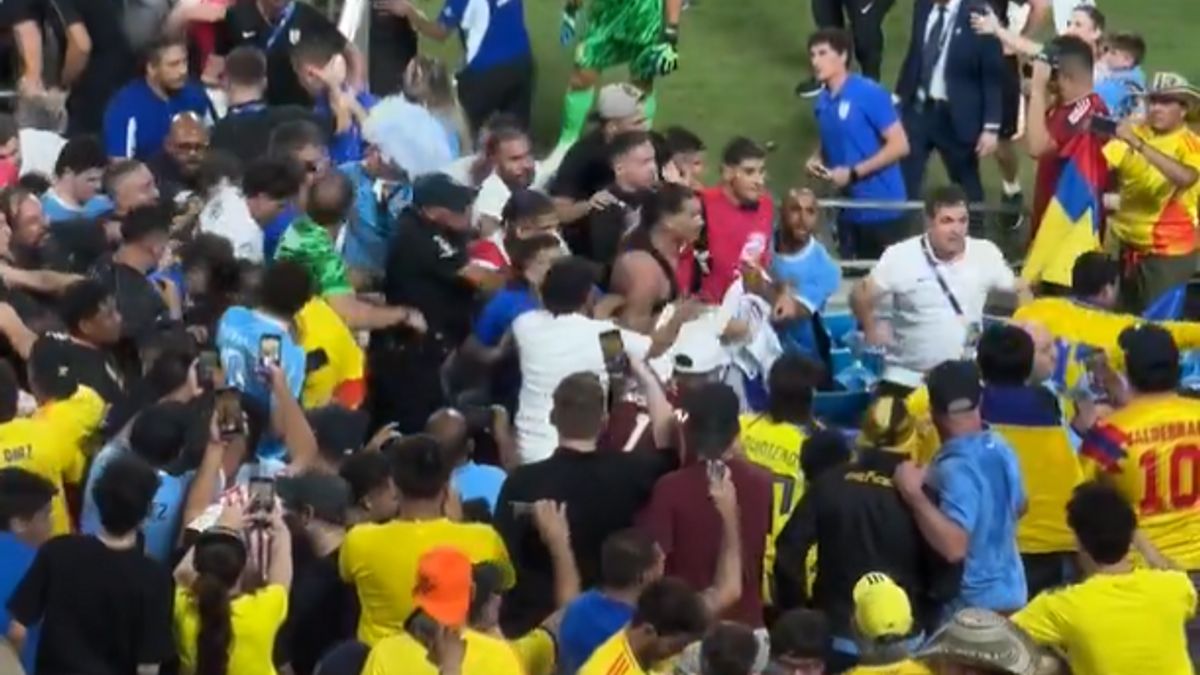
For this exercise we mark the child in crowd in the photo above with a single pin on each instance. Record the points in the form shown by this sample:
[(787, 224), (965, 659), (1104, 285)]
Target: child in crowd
[(1120, 80)]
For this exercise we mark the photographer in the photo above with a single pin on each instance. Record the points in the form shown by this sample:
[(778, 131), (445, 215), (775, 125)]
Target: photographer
[(1060, 134), (1156, 164)]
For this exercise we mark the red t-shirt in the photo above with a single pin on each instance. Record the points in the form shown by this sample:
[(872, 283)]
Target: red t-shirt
[(734, 233), (489, 253), (682, 519), (1065, 122), (628, 428)]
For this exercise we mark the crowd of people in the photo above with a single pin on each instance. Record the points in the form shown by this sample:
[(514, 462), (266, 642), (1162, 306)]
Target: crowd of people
[(310, 366)]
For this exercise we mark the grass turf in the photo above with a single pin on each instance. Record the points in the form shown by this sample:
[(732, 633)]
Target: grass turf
[(739, 62)]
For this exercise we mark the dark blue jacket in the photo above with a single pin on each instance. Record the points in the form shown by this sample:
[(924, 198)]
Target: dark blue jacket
[(973, 72)]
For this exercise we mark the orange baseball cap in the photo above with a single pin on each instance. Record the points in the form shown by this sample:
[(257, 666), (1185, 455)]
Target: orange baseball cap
[(444, 586)]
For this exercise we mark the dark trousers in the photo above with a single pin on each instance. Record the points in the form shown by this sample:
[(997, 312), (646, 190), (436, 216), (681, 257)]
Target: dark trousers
[(391, 44), (405, 381), (866, 27), (506, 88), (867, 241), (930, 127)]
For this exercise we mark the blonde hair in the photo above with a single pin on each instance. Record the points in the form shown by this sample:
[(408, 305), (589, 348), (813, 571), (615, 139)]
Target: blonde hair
[(427, 81)]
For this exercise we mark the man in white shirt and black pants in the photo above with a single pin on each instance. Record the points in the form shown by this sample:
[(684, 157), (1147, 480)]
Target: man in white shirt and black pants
[(934, 287)]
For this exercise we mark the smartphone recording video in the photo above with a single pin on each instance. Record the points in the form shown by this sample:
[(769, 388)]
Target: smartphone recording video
[(229, 412), (612, 348), (1103, 126), (262, 495), (270, 349)]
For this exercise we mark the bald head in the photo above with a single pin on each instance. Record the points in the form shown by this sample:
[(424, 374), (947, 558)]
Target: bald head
[(449, 427), (329, 199), (186, 142), (1045, 353)]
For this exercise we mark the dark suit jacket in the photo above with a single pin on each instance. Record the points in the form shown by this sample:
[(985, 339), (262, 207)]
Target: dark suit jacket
[(973, 72)]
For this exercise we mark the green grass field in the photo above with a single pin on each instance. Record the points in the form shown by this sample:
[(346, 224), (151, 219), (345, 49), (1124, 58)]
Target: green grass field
[(740, 60)]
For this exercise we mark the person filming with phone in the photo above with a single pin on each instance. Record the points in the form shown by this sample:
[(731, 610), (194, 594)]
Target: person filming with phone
[(1064, 121), (1157, 166)]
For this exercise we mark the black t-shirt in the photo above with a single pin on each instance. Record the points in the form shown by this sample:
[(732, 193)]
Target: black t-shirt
[(585, 170), (423, 268), (245, 24), (139, 302), (102, 611), (91, 367), (599, 240), (245, 130), (110, 64), (603, 491), (860, 524), (322, 612)]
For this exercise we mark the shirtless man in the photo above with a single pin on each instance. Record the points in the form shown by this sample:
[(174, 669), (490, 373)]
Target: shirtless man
[(656, 265)]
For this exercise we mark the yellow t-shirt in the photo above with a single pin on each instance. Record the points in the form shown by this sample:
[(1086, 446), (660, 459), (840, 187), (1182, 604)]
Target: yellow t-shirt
[(1117, 623), (1155, 216), (536, 652), (401, 654), (1081, 330), (255, 617), (1150, 451), (51, 445), (321, 329), (775, 446), (381, 561), (614, 657), (905, 667)]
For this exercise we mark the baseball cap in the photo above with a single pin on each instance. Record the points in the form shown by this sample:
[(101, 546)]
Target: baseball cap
[(887, 425), (1149, 348), (984, 639), (439, 190), (327, 495), (881, 607), (444, 586), (618, 100), (699, 353), (340, 431), (712, 418), (954, 387)]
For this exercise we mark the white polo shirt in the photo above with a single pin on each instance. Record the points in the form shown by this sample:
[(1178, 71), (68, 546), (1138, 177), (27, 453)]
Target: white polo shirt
[(550, 348), (925, 327)]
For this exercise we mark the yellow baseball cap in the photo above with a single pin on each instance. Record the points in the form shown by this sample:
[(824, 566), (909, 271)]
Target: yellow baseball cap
[(881, 607), (888, 425)]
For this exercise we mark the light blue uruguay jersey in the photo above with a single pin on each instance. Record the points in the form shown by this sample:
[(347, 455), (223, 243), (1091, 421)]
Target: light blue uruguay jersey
[(493, 31)]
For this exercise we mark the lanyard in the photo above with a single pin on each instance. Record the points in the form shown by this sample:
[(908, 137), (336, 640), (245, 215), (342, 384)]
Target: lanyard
[(937, 274), (284, 19)]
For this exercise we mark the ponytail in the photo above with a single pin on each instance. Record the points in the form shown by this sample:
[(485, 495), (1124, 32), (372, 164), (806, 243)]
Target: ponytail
[(216, 628)]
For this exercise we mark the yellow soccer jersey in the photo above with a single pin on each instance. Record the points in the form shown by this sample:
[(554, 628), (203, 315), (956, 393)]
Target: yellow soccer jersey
[(401, 654), (905, 667), (1150, 450), (50, 444), (775, 446), (1117, 623), (1081, 330), (614, 657)]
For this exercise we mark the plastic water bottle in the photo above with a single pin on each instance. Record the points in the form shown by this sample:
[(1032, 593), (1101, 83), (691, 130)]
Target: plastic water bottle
[(857, 376)]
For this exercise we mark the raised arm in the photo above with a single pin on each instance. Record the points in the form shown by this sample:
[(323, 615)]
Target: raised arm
[(727, 582)]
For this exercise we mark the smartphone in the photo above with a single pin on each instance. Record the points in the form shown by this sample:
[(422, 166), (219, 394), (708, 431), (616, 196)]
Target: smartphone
[(716, 470), (612, 348), (208, 365), (262, 495), (270, 348), (229, 412), (1103, 126)]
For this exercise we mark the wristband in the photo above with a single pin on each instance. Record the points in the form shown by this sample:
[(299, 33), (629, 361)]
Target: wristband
[(854, 174), (671, 34)]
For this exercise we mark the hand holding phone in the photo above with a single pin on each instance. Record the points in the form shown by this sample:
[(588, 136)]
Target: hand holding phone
[(612, 348), (270, 350), (229, 413), (261, 506), (1102, 126)]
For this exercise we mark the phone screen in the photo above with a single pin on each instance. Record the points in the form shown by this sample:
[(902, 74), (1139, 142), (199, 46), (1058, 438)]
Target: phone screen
[(612, 347), (269, 348), (262, 494), (229, 412), (208, 364), (1103, 126)]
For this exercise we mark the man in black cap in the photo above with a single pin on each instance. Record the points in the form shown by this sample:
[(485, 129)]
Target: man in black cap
[(322, 609), (978, 494), (427, 268)]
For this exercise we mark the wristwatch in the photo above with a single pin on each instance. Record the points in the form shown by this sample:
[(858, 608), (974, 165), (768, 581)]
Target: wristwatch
[(854, 175)]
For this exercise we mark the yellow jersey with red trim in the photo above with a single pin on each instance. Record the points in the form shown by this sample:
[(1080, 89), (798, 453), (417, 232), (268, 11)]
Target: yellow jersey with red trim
[(1155, 216), (614, 657), (1080, 330), (1150, 451)]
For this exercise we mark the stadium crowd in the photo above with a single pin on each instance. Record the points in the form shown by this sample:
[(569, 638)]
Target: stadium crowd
[(310, 366)]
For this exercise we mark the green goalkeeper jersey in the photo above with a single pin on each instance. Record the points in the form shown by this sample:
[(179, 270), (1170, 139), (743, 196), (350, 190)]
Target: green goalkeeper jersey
[(634, 21)]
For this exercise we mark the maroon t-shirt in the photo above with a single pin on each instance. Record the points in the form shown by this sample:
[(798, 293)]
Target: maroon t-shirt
[(628, 428), (682, 518)]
